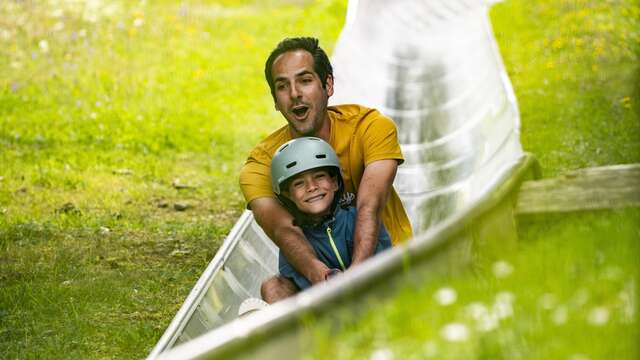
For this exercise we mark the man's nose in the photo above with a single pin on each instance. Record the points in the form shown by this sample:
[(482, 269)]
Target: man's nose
[(295, 92)]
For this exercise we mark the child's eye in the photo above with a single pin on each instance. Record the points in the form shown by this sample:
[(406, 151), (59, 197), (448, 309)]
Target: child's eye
[(297, 184), (320, 175)]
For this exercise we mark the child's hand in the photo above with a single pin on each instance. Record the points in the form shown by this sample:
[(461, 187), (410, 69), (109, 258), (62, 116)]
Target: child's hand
[(331, 273)]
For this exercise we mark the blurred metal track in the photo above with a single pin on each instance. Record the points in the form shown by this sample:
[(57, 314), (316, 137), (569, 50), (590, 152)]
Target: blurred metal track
[(433, 66)]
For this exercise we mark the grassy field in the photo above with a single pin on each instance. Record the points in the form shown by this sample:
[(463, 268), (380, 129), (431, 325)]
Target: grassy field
[(115, 113), (106, 106), (570, 291)]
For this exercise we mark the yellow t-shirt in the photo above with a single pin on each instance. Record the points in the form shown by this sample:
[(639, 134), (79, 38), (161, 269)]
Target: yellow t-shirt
[(359, 136)]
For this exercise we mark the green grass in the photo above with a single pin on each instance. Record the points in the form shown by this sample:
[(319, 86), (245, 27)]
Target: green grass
[(574, 67), (103, 104), (552, 299), (570, 289), (174, 90)]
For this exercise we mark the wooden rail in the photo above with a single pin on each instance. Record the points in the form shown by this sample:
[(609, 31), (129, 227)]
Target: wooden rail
[(595, 188)]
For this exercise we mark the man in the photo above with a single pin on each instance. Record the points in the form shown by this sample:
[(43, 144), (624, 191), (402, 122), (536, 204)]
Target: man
[(300, 77)]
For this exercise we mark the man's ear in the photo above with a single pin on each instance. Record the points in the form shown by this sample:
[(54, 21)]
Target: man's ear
[(329, 85)]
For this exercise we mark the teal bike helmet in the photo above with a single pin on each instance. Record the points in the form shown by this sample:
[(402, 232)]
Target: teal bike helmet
[(297, 156)]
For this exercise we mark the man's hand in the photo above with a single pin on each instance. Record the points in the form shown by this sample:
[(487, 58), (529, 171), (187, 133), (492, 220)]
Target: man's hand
[(277, 223), (372, 196)]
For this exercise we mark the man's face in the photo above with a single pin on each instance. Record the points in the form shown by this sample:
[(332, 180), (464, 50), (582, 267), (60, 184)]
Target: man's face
[(299, 94), (313, 191)]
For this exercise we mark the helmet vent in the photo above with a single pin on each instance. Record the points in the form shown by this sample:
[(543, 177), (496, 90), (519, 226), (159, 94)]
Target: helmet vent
[(291, 164), (284, 147), (321, 156)]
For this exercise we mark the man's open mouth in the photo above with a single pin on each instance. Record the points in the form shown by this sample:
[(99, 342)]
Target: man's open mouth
[(300, 110)]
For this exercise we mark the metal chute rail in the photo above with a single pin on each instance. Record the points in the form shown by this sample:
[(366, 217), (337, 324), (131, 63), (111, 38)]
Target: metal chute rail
[(434, 67)]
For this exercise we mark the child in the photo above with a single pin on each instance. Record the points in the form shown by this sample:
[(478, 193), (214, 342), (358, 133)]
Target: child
[(306, 178)]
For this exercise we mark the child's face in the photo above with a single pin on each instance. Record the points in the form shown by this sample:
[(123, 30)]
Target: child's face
[(312, 191)]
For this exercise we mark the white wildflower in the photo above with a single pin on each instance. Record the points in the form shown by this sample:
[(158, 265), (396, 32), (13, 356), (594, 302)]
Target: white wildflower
[(382, 354), (560, 315), (485, 320), (104, 230), (446, 296), (93, 115), (476, 310), (57, 13), (430, 349), (504, 297), (548, 301), (489, 319), (455, 332), (89, 17), (44, 46), (92, 10), (502, 308), (138, 22), (598, 316), (58, 26), (488, 322), (502, 269), (111, 10), (5, 34)]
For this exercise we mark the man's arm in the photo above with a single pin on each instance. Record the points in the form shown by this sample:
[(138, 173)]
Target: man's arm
[(277, 223), (372, 196)]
